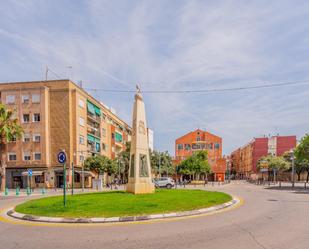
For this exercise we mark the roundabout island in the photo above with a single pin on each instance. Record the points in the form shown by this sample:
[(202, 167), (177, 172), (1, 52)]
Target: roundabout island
[(119, 206)]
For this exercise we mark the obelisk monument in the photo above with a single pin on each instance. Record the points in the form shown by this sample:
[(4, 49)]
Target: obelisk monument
[(139, 169)]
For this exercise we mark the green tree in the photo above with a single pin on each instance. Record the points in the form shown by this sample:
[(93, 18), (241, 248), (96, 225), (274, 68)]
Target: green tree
[(301, 153), (123, 161), (277, 163), (9, 129), (95, 163), (195, 166), (161, 163), (305, 163)]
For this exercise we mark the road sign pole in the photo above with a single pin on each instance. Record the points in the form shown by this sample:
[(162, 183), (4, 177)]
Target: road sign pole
[(64, 185), (72, 178), (61, 159)]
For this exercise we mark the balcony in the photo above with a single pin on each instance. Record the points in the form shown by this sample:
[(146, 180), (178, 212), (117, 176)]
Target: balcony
[(93, 117), (94, 131)]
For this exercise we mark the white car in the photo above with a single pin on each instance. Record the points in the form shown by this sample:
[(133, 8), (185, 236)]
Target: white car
[(164, 182)]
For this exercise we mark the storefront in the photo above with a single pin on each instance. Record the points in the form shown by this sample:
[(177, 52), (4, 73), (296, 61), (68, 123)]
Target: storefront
[(20, 178)]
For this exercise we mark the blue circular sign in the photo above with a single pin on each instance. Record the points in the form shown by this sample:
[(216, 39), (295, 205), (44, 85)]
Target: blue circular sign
[(29, 172), (62, 157)]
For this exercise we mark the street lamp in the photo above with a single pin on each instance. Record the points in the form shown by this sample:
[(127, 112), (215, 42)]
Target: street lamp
[(293, 167), (73, 177)]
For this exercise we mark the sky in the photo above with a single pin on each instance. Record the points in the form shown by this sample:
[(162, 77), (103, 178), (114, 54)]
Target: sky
[(171, 45)]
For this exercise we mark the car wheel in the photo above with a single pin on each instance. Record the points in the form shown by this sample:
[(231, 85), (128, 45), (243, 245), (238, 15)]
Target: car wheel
[(169, 186)]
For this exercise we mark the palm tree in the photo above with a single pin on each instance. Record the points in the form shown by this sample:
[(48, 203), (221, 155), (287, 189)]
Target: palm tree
[(9, 129)]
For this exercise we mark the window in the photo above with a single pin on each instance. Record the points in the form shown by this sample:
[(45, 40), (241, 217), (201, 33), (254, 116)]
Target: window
[(26, 118), (10, 99), (76, 177), (81, 158), (36, 117), (13, 139), (103, 132), (37, 156), (217, 146), (179, 146), (37, 138), (113, 136), (187, 147), (198, 139), (27, 156), (39, 179), (81, 103), (103, 146), (210, 146), (12, 156), (35, 98), (81, 121), (25, 99), (194, 147), (118, 137), (81, 139), (26, 138)]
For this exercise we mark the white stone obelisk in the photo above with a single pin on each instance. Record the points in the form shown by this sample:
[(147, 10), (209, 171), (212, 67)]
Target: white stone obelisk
[(139, 169)]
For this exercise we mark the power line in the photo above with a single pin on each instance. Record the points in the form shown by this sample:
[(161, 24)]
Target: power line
[(214, 90)]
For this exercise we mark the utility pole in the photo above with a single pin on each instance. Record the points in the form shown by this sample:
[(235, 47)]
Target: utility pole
[(73, 178), (159, 164), (293, 168), (83, 178)]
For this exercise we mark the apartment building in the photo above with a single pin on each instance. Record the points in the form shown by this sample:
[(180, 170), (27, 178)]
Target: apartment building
[(244, 159), (58, 115), (197, 140)]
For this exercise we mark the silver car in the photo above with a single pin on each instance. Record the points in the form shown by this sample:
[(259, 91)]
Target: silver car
[(164, 182)]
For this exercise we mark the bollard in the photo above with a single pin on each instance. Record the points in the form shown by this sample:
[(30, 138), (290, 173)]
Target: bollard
[(43, 191), (213, 183), (305, 185), (279, 184), (17, 191), (6, 191), (28, 191)]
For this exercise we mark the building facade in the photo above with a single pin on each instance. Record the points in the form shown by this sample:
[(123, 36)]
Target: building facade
[(244, 160), (58, 115), (197, 140)]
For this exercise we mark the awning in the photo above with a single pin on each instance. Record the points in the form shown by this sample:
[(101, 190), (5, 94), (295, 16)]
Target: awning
[(93, 109), (86, 173), (34, 173), (91, 138), (90, 107), (97, 110)]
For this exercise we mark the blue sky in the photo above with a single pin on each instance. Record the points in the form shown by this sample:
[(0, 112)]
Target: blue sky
[(167, 45)]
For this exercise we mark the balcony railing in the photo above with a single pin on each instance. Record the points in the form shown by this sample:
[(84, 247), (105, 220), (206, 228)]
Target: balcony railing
[(94, 132), (94, 117)]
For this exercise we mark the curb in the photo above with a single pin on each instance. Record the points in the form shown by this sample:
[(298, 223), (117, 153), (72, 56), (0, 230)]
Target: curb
[(28, 217)]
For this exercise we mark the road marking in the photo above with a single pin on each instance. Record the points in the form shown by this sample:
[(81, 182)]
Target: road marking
[(4, 218)]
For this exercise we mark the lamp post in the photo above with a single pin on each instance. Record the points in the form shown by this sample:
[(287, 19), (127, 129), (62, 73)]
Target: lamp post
[(293, 168), (73, 178), (159, 164)]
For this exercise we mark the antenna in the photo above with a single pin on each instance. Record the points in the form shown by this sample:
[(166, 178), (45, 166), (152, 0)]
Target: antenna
[(46, 73)]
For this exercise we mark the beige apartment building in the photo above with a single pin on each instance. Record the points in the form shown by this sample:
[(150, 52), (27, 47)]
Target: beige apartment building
[(58, 115)]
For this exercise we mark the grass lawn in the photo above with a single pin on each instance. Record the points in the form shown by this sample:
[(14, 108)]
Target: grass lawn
[(111, 204)]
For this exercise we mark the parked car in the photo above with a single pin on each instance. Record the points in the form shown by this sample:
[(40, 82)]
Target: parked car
[(164, 182)]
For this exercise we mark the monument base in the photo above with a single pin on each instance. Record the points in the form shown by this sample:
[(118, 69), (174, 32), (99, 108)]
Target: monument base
[(140, 188)]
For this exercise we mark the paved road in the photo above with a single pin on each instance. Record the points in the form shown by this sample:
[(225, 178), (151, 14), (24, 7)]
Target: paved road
[(269, 218)]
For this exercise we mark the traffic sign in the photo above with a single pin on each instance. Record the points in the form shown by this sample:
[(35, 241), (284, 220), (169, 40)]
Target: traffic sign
[(62, 157), (29, 172)]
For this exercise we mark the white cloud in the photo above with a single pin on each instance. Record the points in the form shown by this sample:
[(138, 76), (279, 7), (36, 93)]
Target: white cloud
[(164, 45)]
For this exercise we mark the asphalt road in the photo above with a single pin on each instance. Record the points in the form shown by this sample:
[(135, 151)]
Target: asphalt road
[(268, 218)]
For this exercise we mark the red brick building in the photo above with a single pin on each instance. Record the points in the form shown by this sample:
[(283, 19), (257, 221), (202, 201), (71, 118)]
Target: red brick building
[(244, 160), (197, 140)]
